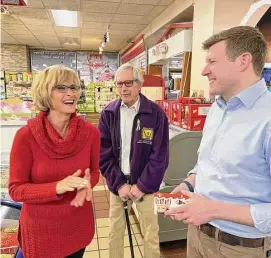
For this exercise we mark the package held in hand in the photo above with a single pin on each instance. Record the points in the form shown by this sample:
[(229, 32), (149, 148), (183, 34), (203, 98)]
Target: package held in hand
[(166, 201)]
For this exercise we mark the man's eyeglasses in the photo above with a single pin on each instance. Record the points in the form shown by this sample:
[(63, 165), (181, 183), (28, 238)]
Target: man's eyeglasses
[(64, 88), (128, 83)]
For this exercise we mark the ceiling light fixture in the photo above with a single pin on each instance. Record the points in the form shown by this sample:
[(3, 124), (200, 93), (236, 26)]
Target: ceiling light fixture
[(107, 36), (66, 18), (106, 39)]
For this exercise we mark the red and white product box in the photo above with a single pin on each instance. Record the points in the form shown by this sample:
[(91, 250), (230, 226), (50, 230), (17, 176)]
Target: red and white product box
[(177, 113), (170, 110), (167, 108), (194, 116), (166, 201)]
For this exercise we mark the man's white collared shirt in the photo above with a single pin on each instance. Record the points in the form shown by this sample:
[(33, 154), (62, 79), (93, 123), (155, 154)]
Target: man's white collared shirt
[(127, 115)]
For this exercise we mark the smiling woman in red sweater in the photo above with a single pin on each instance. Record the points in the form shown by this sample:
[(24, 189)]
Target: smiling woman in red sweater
[(54, 164)]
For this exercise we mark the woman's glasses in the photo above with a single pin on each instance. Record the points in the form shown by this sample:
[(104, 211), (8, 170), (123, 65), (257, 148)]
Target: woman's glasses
[(64, 88)]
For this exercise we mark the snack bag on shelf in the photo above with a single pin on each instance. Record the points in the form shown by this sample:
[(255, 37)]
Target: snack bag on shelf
[(166, 201)]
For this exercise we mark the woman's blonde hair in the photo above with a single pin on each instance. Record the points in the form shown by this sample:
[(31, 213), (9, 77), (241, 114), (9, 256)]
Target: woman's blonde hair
[(45, 80)]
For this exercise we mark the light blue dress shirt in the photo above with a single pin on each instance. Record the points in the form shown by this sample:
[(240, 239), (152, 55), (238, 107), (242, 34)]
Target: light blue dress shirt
[(234, 158)]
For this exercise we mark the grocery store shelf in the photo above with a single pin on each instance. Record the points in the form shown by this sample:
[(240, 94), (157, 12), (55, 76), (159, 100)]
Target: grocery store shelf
[(12, 123)]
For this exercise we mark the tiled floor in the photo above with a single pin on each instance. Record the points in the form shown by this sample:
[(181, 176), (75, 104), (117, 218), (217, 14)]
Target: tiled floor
[(99, 246)]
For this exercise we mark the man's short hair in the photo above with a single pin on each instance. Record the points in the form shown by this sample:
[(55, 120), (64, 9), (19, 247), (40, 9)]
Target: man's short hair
[(239, 40), (137, 75), (45, 80)]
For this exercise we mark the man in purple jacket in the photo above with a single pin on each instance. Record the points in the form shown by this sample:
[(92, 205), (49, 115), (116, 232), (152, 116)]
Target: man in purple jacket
[(134, 158)]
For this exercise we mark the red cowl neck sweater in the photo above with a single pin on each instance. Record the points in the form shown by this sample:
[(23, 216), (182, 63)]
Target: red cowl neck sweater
[(49, 226)]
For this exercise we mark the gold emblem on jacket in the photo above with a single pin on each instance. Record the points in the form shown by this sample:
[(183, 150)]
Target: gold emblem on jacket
[(147, 134)]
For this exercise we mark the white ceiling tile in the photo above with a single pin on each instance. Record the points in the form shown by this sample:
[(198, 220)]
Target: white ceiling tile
[(165, 2), (114, 39), (151, 2), (60, 29), (99, 7), (122, 26), (36, 22), (146, 20), (29, 12), (35, 4), (68, 39), (86, 32), (5, 19), (90, 40), (97, 17), (157, 10), (51, 44), (111, 47), (18, 32), (96, 25), (90, 43), (69, 35), (134, 9), (120, 18), (72, 5), (121, 33), (112, 1), (9, 26), (7, 39), (24, 37), (40, 29), (140, 27), (30, 42), (43, 40), (35, 27)]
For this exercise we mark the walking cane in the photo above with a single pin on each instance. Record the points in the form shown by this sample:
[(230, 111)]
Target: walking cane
[(125, 204)]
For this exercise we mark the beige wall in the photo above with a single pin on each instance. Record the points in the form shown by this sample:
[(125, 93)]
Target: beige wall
[(230, 13), (14, 58), (202, 29), (212, 16)]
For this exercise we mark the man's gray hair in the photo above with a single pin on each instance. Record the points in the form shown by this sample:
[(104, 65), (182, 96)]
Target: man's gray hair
[(136, 72)]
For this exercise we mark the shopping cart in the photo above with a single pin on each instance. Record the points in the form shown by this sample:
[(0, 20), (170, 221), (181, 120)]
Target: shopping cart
[(10, 212)]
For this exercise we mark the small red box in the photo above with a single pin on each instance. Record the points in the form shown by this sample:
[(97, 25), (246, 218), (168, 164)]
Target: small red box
[(167, 108), (191, 100), (177, 113), (194, 116)]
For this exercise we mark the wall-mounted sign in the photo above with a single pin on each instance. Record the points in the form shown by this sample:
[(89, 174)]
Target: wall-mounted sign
[(177, 44), (160, 49), (43, 59)]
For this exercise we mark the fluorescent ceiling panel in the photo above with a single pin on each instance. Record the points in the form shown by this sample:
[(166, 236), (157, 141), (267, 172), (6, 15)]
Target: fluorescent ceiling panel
[(65, 18)]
